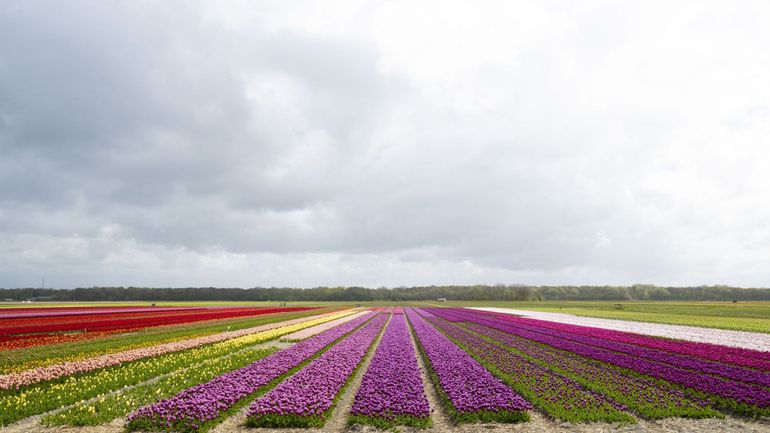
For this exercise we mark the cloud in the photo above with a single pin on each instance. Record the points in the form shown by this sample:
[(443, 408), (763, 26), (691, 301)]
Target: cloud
[(397, 143)]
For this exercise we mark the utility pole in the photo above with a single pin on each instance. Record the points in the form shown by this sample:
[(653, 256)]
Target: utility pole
[(43, 283)]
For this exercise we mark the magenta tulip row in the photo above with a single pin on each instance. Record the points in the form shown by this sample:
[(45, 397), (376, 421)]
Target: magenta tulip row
[(392, 387)]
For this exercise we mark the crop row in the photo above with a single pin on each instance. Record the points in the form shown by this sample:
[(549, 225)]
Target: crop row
[(732, 355), (19, 342), (96, 323), (649, 398), (84, 316), (27, 358), (317, 329), (21, 313), (15, 405), (745, 398), (646, 397), (199, 406), (52, 372), (391, 390), (555, 394), (469, 391), (714, 331), (118, 404), (306, 398), (636, 345)]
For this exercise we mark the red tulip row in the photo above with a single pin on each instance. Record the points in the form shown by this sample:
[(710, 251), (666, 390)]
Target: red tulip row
[(101, 324)]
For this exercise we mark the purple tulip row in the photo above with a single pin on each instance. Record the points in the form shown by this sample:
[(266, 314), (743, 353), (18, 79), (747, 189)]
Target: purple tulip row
[(305, 399), (715, 352), (392, 390), (649, 398), (472, 392), (555, 394), (727, 371), (756, 399), (604, 338), (192, 408)]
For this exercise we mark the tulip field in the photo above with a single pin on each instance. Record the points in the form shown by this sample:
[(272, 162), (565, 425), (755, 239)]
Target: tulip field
[(422, 367)]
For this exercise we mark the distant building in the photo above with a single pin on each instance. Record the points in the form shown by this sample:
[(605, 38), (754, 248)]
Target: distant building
[(441, 299)]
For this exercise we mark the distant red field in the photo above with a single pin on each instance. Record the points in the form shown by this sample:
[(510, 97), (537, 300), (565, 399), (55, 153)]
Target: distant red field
[(69, 324)]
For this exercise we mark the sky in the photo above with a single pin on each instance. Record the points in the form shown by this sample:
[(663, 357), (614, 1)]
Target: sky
[(384, 143)]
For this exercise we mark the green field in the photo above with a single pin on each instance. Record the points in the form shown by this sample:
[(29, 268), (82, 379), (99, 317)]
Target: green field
[(740, 316)]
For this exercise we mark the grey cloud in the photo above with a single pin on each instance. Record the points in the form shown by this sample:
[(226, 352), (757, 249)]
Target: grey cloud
[(186, 143)]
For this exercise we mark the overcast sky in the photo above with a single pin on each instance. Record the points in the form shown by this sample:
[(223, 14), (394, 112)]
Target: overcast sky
[(260, 143)]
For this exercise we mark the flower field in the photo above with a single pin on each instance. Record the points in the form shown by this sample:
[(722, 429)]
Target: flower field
[(242, 369)]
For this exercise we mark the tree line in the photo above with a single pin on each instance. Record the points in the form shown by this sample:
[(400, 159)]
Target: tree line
[(498, 292)]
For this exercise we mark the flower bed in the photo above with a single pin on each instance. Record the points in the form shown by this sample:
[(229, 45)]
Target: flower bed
[(52, 372), (744, 398), (315, 330), (470, 392), (306, 398), (199, 406), (392, 391), (43, 397), (557, 395)]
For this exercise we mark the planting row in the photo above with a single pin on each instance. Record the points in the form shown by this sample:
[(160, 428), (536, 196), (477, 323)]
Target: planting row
[(16, 313), (669, 352), (315, 330), (555, 394), (646, 397), (107, 322), (52, 372), (202, 405), (469, 391), (709, 337), (120, 403), (307, 397), (392, 391), (746, 398), (43, 397), (27, 358)]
